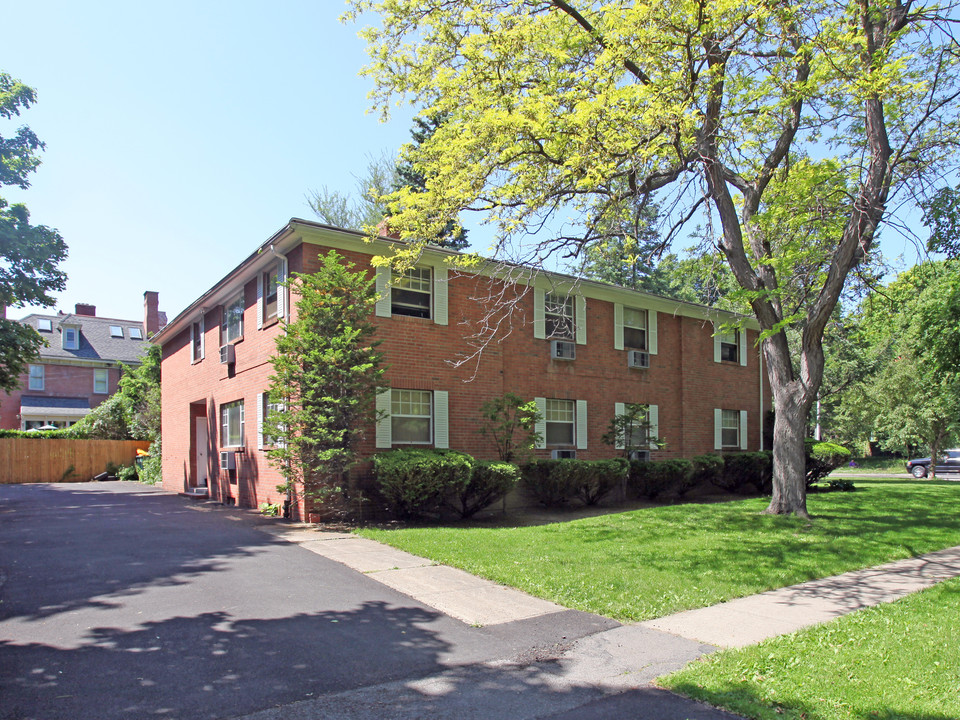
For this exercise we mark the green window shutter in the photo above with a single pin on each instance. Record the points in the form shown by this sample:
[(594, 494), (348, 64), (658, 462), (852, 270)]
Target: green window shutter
[(384, 431), (281, 290), (716, 344), (441, 425), (580, 320), (618, 410), (203, 334), (743, 347), (618, 328), (653, 419), (541, 426), (652, 332), (383, 290), (718, 429), (259, 421), (259, 300), (539, 319), (440, 286), (743, 430), (581, 424)]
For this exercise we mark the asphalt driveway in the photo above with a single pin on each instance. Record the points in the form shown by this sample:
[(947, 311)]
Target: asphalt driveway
[(121, 601)]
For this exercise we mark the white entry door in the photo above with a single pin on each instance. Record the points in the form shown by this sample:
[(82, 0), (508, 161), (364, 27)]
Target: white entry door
[(201, 448)]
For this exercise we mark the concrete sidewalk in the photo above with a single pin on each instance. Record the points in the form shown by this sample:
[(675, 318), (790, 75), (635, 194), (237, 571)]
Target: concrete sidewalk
[(737, 623)]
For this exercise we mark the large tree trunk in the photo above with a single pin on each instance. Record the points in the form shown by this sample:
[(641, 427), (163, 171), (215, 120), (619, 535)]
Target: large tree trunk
[(792, 397)]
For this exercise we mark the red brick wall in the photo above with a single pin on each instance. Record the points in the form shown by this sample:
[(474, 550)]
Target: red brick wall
[(59, 381), (683, 381)]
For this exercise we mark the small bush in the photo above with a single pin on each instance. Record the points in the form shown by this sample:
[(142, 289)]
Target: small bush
[(741, 470), (595, 479), (541, 482), (706, 469), (415, 482), (651, 479), (127, 473), (270, 509), (489, 482), (822, 458)]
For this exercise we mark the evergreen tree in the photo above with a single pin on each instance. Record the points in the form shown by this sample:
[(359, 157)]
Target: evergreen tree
[(326, 376)]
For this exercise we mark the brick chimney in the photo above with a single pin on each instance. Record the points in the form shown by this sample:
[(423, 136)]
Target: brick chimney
[(151, 312), (85, 309), (384, 230)]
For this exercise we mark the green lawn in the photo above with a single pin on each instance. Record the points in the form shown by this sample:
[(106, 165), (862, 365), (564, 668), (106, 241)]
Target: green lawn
[(875, 465), (899, 661), (652, 562)]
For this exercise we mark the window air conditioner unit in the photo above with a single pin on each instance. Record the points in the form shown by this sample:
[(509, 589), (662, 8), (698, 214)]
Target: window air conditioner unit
[(639, 455), (563, 454), (228, 354), (562, 350), (228, 460), (638, 359)]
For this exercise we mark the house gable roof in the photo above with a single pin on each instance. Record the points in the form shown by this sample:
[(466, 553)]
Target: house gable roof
[(96, 342)]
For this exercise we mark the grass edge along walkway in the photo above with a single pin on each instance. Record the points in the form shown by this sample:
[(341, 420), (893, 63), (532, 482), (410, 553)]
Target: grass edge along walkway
[(893, 661), (653, 562)]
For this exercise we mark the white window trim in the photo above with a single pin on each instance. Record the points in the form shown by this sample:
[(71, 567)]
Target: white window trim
[(653, 420), (742, 443), (439, 419), (42, 377), (75, 345), (224, 425), (106, 381), (741, 334), (618, 326), (580, 427)]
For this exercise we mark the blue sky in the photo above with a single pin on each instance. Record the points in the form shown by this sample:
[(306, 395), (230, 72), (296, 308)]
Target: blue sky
[(180, 135)]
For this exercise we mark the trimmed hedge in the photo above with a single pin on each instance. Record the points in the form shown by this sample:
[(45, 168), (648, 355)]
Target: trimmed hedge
[(741, 470), (416, 482), (706, 469), (822, 458), (488, 482), (548, 487), (651, 479), (556, 482)]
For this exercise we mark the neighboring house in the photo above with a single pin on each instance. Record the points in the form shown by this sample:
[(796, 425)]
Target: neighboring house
[(581, 349), (79, 367)]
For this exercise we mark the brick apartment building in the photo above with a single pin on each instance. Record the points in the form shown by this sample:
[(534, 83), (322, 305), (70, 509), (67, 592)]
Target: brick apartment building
[(581, 349), (79, 367)]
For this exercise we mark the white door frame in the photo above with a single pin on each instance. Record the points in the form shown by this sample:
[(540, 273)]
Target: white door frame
[(200, 451)]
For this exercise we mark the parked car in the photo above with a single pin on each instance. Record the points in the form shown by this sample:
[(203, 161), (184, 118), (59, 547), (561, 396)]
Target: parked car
[(949, 463)]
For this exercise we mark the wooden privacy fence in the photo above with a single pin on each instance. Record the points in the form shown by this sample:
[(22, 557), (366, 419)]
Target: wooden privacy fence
[(29, 460)]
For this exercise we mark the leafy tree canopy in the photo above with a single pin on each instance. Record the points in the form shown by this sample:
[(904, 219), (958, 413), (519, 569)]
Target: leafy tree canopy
[(573, 115), (29, 254)]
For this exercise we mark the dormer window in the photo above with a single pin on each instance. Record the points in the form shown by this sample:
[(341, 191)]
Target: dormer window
[(71, 338), (116, 331), (45, 325)]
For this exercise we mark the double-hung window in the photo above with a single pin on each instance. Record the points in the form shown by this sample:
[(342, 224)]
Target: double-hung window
[(36, 377), (558, 316), (71, 338), (730, 346), (411, 416), (231, 424), (270, 289), (560, 416), (411, 292), (100, 381), (730, 428), (231, 328), (635, 329)]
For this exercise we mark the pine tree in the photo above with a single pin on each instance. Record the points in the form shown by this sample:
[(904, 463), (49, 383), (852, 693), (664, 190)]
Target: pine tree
[(326, 375)]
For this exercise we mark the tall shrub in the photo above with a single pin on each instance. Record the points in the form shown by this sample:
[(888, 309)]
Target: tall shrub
[(326, 375), (511, 423), (416, 482)]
